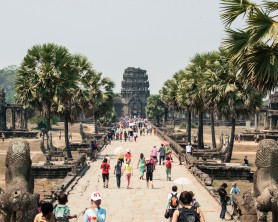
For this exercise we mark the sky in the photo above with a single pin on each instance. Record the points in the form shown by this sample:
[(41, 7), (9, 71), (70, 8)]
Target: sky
[(159, 36)]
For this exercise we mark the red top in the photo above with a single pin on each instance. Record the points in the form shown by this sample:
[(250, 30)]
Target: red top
[(105, 168), (128, 156)]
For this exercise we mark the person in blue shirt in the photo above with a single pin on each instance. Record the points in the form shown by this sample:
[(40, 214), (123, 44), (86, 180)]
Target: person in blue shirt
[(95, 212)]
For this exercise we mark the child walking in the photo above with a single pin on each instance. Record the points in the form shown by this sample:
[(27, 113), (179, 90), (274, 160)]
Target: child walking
[(128, 173), (62, 211), (118, 173), (168, 165)]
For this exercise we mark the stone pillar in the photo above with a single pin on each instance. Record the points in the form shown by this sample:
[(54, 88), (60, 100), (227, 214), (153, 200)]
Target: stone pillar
[(4, 118), (265, 121), (21, 118), (256, 122), (25, 119), (270, 123), (13, 118)]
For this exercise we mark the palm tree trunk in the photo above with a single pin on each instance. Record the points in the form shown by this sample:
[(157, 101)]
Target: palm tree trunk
[(201, 131), (96, 126), (66, 126), (157, 120), (48, 110), (213, 140), (188, 126), (166, 114), (228, 156)]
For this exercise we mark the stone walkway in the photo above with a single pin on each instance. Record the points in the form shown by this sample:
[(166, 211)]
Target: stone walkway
[(138, 203)]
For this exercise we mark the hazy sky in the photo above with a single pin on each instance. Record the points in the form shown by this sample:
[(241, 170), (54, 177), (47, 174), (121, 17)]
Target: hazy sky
[(156, 35)]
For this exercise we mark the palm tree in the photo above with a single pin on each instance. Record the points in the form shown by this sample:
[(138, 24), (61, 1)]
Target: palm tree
[(71, 94), (100, 95), (168, 96), (254, 48), (39, 75)]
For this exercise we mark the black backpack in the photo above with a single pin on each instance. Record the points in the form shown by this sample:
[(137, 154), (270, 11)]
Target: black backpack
[(149, 167), (188, 215)]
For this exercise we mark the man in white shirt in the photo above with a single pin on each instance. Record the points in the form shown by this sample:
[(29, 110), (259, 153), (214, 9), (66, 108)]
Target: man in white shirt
[(188, 148), (172, 201)]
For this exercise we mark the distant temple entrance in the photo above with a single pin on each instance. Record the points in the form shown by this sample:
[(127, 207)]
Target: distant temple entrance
[(134, 94)]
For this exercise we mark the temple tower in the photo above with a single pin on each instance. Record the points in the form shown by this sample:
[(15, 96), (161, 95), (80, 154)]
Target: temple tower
[(134, 93)]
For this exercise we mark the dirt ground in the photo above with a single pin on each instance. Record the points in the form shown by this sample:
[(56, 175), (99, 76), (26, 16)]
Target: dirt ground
[(44, 186)]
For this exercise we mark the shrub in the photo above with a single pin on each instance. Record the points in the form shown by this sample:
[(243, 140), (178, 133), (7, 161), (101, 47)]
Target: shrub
[(182, 125)]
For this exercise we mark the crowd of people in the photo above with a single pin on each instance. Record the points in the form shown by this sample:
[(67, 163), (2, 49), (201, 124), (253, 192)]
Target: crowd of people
[(179, 206)]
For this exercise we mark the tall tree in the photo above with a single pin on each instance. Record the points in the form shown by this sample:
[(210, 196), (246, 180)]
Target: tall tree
[(155, 108), (39, 76)]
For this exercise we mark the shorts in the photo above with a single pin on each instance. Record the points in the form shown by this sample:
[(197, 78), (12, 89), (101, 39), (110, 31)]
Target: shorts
[(171, 212), (149, 176), (105, 177)]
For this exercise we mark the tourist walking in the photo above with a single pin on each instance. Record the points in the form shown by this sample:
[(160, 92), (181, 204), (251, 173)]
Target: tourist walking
[(118, 173), (95, 213), (141, 165), (186, 212), (149, 172), (128, 173), (105, 172), (94, 150), (223, 199), (135, 136), (172, 202), (128, 155), (188, 148), (62, 211), (168, 165), (46, 214), (161, 154), (60, 135), (70, 135), (3, 137), (125, 136), (234, 192), (154, 153), (245, 161)]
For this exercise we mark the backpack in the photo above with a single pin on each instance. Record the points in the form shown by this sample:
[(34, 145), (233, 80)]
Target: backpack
[(188, 215), (60, 212), (149, 167), (174, 201), (168, 164), (118, 169)]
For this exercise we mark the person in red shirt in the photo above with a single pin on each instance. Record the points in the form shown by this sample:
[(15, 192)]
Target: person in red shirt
[(128, 155), (105, 166)]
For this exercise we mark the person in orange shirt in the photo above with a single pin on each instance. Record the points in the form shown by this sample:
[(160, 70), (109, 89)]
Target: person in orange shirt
[(128, 155)]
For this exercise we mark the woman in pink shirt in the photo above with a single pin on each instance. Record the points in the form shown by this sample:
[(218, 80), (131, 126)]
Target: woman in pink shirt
[(105, 166), (154, 152)]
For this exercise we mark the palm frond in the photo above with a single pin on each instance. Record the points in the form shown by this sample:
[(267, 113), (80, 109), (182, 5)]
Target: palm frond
[(270, 6), (260, 26), (231, 9)]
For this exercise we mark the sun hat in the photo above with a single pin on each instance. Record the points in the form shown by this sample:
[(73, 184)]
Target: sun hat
[(95, 196), (128, 150), (147, 159)]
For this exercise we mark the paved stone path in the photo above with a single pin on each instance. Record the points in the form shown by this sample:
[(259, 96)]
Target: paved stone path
[(138, 203)]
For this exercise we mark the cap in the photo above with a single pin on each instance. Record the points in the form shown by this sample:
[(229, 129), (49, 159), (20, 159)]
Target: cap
[(128, 150), (95, 196), (188, 143), (233, 183)]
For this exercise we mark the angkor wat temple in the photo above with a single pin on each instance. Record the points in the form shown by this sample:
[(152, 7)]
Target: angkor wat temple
[(134, 93)]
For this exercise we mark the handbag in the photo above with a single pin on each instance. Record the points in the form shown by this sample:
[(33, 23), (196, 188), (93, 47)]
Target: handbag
[(167, 214)]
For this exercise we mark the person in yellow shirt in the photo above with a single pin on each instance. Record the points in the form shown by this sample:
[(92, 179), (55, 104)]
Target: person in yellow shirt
[(128, 172)]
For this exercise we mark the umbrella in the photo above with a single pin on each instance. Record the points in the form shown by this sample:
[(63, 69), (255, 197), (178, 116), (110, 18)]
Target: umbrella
[(182, 181), (119, 150), (166, 143)]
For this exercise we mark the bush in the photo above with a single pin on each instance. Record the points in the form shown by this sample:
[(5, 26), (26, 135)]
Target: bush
[(41, 121), (182, 125)]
